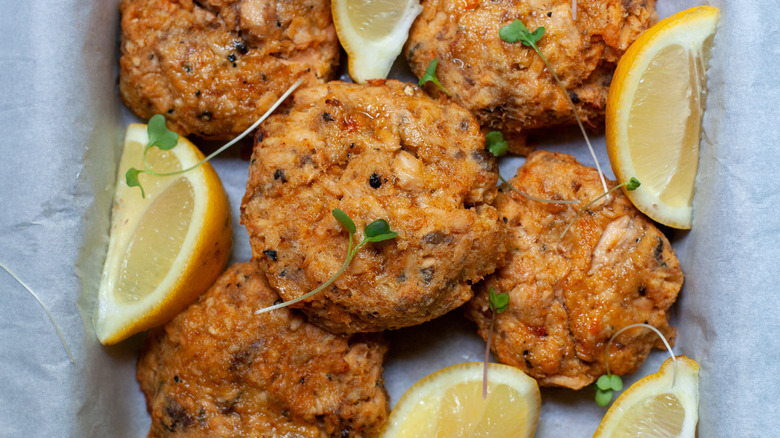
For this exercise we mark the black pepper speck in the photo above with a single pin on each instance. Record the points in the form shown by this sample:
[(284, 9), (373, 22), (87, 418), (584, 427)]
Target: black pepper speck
[(240, 45), (271, 254), (375, 181)]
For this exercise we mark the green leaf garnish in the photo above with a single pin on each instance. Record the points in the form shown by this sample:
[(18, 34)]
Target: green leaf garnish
[(496, 144), (603, 383), (159, 134), (609, 381), (498, 302), (131, 178), (616, 382), (603, 397), (376, 231), (633, 184), (517, 31), (430, 76), (344, 220), (377, 228)]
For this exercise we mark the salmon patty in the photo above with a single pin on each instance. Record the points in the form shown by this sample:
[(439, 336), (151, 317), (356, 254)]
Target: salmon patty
[(569, 295), (507, 85), (217, 369), (383, 150), (213, 67)]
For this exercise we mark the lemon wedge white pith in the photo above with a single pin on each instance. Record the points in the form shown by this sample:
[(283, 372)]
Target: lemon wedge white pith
[(654, 112), (166, 248)]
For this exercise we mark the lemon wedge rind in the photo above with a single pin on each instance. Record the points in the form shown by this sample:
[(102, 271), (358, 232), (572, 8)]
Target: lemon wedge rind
[(654, 112)]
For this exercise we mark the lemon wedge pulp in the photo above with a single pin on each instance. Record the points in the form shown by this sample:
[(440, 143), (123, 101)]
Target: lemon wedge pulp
[(166, 248), (449, 403), (373, 33), (654, 112)]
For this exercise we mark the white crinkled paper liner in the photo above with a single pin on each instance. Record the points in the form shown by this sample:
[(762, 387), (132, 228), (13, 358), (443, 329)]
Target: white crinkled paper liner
[(63, 122)]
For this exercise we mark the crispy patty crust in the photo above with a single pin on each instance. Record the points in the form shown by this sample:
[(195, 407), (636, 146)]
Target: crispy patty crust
[(569, 295), (507, 85), (381, 150), (213, 67), (217, 369)]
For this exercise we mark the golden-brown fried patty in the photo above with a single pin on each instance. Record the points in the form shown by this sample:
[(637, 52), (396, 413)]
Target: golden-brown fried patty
[(381, 150), (569, 296), (217, 369), (507, 85), (213, 67)]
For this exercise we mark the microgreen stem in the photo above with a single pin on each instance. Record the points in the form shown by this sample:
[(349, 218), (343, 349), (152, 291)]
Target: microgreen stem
[(350, 255), (45, 309), (631, 184), (487, 356), (497, 302), (660, 335), (573, 10), (534, 198), (276, 104), (576, 114), (585, 208)]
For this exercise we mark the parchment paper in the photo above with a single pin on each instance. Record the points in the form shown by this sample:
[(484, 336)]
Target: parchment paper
[(62, 123)]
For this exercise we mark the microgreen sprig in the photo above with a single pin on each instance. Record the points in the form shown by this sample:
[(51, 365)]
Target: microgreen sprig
[(164, 139), (496, 145), (498, 302), (631, 185), (430, 76), (517, 31), (605, 386), (607, 383), (376, 231), (160, 137)]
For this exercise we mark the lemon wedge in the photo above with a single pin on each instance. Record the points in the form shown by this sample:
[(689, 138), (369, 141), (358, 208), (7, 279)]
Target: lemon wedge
[(372, 33), (659, 405), (449, 403), (166, 248), (654, 112)]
